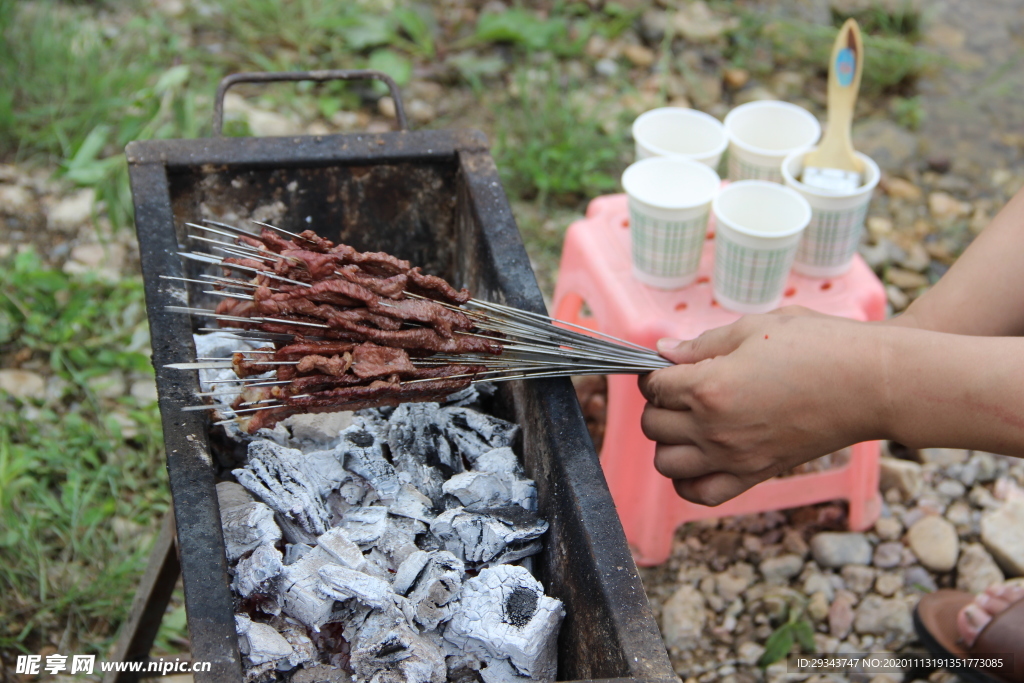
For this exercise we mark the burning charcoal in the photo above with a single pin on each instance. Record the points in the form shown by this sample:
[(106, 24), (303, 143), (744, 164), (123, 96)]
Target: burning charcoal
[(342, 550), (465, 397), (325, 471), (436, 589), (415, 437), (373, 420), (256, 573), (386, 650), (504, 613), (319, 429), (498, 461), (365, 525), (260, 643), (476, 490), (399, 540), (342, 583), (412, 504), (321, 673), (300, 591), (274, 474), (409, 571), (514, 552), (246, 527), (303, 649), (475, 433), (501, 671), (231, 494), (293, 552), (479, 536), (363, 455)]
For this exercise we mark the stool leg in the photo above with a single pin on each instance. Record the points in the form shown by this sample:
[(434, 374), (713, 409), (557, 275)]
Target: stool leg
[(646, 502), (865, 500), (149, 605)]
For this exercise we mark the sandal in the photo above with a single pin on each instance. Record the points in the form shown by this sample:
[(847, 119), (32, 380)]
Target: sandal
[(935, 623)]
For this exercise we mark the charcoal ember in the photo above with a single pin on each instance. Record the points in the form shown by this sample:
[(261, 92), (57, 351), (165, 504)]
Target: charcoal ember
[(247, 527), (501, 671), (301, 597), (416, 437), (398, 540), (261, 643), (374, 420), (412, 504), (342, 583), (469, 396), (482, 535), (435, 588), (364, 456), (498, 461), (342, 549), (321, 673), (385, 649), (478, 490), (474, 433), (293, 552), (324, 470), (303, 650), (257, 573), (364, 525), (504, 614), (275, 475)]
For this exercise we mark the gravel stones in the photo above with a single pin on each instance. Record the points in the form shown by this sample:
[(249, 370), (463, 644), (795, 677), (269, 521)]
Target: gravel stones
[(976, 570), (888, 528), (859, 578), (731, 583), (22, 384), (1002, 532), (904, 475), (683, 618), (935, 543), (888, 555), (781, 569), (889, 618), (840, 615), (838, 549)]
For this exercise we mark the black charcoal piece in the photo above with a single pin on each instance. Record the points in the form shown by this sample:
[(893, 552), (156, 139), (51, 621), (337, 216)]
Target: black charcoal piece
[(363, 455)]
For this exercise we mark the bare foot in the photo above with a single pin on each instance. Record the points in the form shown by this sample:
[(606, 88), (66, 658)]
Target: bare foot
[(973, 618)]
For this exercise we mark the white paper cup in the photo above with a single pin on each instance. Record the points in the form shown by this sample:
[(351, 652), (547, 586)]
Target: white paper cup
[(837, 220), (675, 131), (762, 134), (758, 228), (669, 202)]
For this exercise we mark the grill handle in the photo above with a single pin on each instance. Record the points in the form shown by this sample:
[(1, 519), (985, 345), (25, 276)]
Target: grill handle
[(319, 76)]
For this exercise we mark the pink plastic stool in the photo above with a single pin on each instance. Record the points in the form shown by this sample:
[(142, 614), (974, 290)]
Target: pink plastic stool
[(596, 270)]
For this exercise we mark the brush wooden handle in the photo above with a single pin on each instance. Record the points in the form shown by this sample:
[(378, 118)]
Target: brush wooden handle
[(844, 72)]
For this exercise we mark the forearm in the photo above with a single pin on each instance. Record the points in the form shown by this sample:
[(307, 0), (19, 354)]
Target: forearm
[(983, 292), (953, 391)]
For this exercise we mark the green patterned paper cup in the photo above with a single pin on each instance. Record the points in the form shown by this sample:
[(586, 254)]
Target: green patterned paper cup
[(763, 133), (837, 220), (758, 227), (669, 202)]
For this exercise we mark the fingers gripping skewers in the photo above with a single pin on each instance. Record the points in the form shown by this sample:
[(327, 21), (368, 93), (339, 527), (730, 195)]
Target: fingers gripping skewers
[(344, 330)]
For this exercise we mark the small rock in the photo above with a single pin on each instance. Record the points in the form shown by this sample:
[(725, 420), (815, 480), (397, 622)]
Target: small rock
[(938, 164), (781, 569), (144, 391), (901, 474), (731, 583), (1007, 488), (879, 227), (905, 279), (987, 469), (653, 24), (420, 112), (683, 618), (888, 528), (14, 199), (1002, 532), (818, 607), (22, 384), (888, 555), (695, 22), (71, 212), (840, 615), (898, 188), (896, 297), (859, 578), (888, 583), (749, 652), (639, 55), (917, 578), (606, 67), (887, 617), (976, 570), (959, 513), (793, 541), (981, 497), (917, 258), (736, 78), (944, 457), (819, 583), (837, 549), (952, 489), (945, 207), (386, 107), (935, 543)]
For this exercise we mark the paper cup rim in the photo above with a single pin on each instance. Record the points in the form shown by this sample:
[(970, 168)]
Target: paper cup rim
[(724, 221), (674, 160), (758, 104), (665, 111), (825, 194)]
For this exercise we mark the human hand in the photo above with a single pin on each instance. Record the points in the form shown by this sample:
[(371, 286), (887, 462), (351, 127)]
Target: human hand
[(750, 400)]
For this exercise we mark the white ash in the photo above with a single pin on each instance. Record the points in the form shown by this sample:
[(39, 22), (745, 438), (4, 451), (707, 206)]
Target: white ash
[(342, 544), (505, 614)]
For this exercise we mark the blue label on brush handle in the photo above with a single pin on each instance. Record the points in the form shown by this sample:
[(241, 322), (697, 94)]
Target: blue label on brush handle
[(846, 66)]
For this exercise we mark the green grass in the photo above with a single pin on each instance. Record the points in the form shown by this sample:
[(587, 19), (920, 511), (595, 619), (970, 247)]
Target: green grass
[(79, 498)]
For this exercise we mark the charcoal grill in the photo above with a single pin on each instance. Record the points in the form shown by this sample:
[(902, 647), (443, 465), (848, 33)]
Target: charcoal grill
[(432, 197)]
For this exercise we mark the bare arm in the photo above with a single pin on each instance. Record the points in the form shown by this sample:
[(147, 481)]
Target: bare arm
[(983, 292)]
